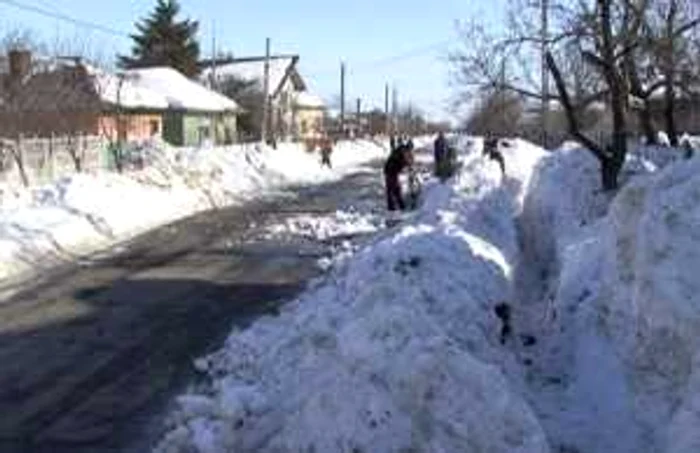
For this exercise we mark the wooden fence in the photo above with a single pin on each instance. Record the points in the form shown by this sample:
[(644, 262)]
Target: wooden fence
[(45, 159)]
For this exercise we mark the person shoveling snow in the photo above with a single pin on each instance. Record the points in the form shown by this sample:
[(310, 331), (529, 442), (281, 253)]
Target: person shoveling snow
[(400, 158)]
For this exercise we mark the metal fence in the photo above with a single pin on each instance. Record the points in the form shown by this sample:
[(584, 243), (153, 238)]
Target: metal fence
[(45, 159)]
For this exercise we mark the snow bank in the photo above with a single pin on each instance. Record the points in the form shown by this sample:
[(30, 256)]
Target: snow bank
[(75, 215), (395, 350), (629, 315), (615, 365)]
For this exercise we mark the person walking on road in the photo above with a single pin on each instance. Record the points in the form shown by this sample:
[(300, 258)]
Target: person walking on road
[(440, 155), (326, 151)]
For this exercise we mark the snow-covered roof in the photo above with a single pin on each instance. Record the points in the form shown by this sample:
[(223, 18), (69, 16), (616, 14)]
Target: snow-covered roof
[(179, 91), (253, 69), (130, 94), (309, 100)]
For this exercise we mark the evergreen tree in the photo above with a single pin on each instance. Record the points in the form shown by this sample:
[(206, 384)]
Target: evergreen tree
[(160, 40)]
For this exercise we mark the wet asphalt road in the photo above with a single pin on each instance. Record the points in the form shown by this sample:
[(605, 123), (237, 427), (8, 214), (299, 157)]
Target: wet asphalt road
[(91, 354)]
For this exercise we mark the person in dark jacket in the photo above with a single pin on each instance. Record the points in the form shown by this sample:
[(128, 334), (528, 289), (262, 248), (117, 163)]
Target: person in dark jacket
[(492, 152), (439, 153), (326, 151), (398, 160)]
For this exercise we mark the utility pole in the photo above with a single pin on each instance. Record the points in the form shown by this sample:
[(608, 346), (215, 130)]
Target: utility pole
[(394, 108), (214, 83), (342, 99), (357, 117), (545, 73), (213, 57), (386, 110), (266, 93)]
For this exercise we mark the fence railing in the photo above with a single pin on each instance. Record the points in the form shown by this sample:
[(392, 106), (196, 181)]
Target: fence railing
[(45, 159)]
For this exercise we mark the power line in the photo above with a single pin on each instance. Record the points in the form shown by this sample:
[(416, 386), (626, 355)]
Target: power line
[(406, 55), (383, 61), (64, 17)]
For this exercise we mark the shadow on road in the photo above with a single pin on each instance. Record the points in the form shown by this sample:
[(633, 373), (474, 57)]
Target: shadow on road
[(127, 367), (91, 352)]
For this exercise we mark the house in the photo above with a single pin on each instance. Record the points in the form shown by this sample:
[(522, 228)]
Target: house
[(308, 114), (195, 114), (294, 113), (43, 98), (68, 97)]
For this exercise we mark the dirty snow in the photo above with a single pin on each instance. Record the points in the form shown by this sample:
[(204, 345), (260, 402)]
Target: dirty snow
[(324, 227)]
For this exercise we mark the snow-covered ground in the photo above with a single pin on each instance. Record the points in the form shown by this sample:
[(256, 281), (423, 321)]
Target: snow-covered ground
[(399, 348), (80, 214)]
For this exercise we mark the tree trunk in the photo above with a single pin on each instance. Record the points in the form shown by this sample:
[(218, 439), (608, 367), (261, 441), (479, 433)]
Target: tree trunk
[(669, 110), (610, 162), (17, 155), (647, 124), (608, 173)]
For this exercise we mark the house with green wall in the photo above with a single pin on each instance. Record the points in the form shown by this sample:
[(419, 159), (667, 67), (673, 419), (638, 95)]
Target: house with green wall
[(195, 115)]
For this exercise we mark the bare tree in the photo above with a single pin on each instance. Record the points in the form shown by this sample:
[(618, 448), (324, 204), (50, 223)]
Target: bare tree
[(249, 95), (671, 24), (589, 42), (498, 112)]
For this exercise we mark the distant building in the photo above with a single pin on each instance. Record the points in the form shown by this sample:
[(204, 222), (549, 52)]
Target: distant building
[(66, 96), (295, 113)]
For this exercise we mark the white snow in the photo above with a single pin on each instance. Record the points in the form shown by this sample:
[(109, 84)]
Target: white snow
[(253, 70), (179, 91), (396, 348), (308, 100), (324, 227), (125, 91), (80, 214)]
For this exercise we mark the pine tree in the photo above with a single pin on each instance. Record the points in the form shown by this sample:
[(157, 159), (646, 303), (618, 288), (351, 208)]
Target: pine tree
[(160, 40)]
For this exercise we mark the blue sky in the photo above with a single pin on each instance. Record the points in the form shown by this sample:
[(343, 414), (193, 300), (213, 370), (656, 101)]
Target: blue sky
[(366, 34)]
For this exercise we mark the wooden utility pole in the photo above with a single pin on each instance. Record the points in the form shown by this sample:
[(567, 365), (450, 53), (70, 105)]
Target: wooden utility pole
[(357, 117), (342, 98), (394, 109), (214, 85), (386, 110), (545, 73), (212, 77), (266, 93)]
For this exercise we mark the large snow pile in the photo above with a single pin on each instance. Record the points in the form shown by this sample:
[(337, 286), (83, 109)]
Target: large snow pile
[(629, 300), (42, 226), (607, 290), (396, 349)]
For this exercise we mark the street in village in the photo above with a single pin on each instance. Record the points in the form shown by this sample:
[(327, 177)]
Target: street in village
[(93, 352)]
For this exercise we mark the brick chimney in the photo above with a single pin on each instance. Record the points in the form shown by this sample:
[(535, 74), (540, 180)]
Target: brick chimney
[(20, 63)]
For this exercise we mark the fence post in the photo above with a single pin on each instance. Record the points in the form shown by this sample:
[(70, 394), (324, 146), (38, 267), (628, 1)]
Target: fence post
[(52, 155), (21, 169)]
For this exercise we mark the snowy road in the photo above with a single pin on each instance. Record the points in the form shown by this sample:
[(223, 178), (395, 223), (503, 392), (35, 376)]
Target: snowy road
[(92, 352)]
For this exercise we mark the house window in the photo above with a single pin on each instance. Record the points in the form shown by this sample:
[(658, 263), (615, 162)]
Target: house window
[(155, 127)]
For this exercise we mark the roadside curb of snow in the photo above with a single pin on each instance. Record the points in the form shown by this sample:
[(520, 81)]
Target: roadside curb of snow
[(396, 349), (180, 183)]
